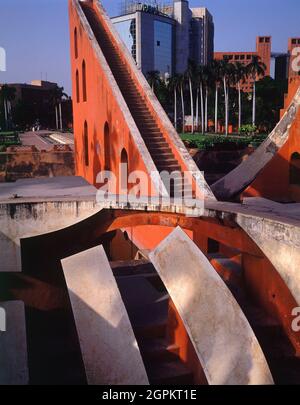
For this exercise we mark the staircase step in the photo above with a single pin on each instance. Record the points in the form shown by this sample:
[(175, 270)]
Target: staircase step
[(229, 270), (169, 373), (132, 267), (158, 349)]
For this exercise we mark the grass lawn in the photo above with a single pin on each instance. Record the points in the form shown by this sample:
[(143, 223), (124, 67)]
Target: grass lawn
[(218, 141)]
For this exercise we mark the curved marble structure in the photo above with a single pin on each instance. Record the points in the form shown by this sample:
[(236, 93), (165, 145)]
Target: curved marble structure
[(222, 337), (109, 348)]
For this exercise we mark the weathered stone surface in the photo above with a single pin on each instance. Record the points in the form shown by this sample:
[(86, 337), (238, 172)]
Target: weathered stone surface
[(38, 206), (13, 345), (280, 242), (109, 348), (223, 339)]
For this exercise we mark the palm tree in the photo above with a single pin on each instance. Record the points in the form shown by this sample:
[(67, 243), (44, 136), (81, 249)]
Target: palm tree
[(191, 76), (57, 96), (173, 85), (207, 79), (153, 78), (226, 70), (216, 77), (181, 84), (7, 95), (240, 74), (199, 81), (256, 68)]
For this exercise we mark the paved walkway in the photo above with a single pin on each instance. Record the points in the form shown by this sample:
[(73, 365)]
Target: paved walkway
[(42, 140), (35, 139)]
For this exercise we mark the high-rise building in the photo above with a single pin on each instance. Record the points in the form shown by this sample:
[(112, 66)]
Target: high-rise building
[(164, 37), (202, 36)]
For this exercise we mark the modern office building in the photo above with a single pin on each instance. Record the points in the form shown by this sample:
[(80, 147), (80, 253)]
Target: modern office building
[(165, 37)]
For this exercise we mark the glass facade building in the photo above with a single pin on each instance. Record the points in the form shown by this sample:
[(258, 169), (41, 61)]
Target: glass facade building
[(127, 31), (164, 39), (163, 47)]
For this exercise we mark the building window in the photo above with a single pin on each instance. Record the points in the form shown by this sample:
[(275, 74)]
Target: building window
[(248, 57), (106, 147), (267, 40), (124, 172), (294, 41), (77, 87), (295, 169), (75, 43), (242, 57), (86, 144), (163, 39), (84, 96)]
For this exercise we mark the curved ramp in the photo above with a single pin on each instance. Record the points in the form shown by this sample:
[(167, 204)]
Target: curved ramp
[(110, 352), (238, 179), (222, 337)]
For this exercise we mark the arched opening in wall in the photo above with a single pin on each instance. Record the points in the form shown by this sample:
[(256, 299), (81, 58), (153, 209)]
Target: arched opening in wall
[(295, 169), (86, 144), (77, 87), (75, 43), (84, 94), (124, 170), (106, 147)]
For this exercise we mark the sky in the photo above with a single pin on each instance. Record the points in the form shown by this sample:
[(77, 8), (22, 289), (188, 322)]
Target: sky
[(35, 33)]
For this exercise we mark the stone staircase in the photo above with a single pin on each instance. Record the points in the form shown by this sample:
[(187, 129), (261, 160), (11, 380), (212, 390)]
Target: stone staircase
[(147, 303), (279, 353), (156, 144)]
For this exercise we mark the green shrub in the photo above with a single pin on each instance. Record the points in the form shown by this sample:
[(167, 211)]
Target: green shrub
[(221, 142), (248, 129)]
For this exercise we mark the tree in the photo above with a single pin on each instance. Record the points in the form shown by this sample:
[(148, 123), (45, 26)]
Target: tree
[(256, 68), (239, 76), (216, 72), (191, 74), (199, 82), (57, 96), (153, 78), (226, 72), (173, 85), (207, 80), (181, 83), (7, 95)]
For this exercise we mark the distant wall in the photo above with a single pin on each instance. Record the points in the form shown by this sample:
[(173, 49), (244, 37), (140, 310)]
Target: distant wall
[(24, 164), (217, 163)]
